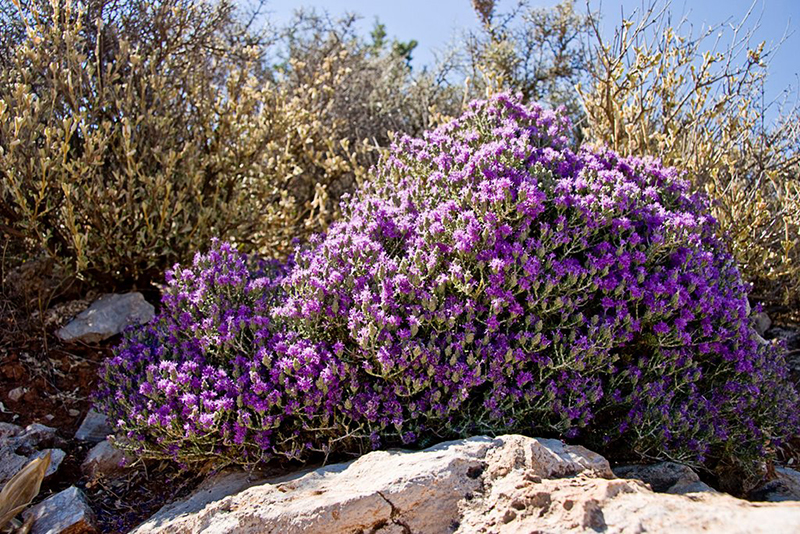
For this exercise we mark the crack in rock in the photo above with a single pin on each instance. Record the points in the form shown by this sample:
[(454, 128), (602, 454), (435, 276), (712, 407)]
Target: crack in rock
[(393, 517)]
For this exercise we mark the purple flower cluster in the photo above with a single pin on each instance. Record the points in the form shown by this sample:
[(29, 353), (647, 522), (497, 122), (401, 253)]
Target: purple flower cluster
[(488, 279), (213, 376)]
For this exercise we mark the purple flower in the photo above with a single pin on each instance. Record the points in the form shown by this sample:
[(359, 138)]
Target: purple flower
[(487, 279)]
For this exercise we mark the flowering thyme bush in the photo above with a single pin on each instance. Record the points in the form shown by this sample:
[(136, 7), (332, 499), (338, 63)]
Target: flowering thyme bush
[(212, 376), (488, 279)]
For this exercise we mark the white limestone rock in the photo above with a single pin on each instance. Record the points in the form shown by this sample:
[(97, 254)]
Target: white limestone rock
[(509, 484)]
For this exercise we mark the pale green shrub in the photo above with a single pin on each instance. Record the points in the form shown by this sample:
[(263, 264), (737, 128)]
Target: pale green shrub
[(131, 133), (662, 89)]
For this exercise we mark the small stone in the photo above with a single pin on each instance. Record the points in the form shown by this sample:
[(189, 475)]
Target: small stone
[(64, 512), (16, 394), (786, 487), (37, 435), (662, 477), (103, 459), (509, 516), (107, 316), (74, 413), (761, 323), (94, 427), (34, 438), (56, 457)]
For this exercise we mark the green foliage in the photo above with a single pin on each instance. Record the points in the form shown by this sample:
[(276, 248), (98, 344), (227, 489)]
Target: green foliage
[(399, 48)]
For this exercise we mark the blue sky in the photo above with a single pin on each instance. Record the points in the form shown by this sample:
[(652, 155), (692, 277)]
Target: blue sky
[(435, 23)]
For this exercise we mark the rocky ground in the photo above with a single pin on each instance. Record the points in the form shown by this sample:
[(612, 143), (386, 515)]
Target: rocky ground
[(509, 484), (45, 388)]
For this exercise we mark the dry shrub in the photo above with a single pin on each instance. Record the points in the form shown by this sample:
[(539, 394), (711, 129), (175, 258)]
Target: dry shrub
[(696, 101), (133, 131), (348, 96), (538, 52)]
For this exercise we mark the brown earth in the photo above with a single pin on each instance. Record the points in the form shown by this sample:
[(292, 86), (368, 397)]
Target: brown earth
[(60, 379)]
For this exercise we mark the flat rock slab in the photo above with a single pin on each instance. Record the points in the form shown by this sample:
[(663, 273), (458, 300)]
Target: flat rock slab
[(388, 490), (107, 316), (94, 427), (501, 485), (66, 512), (586, 504)]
